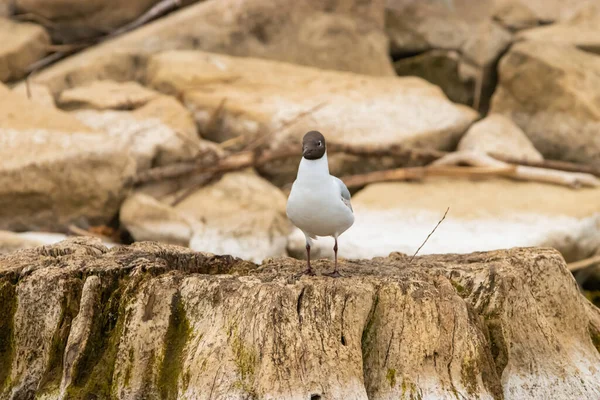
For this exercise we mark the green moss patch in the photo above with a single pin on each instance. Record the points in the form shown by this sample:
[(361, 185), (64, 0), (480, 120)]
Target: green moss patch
[(593, 296), (245, 361), (93, 374), (498, 349), (177, 336), (460, 289), (468, 376), (410, 390), (595, 336), (8, 307), (391, 377)]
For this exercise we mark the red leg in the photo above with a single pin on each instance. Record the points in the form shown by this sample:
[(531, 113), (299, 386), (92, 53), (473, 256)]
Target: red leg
[(309, 270), (335, 273)]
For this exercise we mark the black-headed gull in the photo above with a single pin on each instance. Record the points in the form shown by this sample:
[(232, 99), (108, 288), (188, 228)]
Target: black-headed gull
[(319, 203)]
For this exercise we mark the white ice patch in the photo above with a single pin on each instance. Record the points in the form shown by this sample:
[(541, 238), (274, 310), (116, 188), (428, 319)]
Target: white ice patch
[(378, 233)]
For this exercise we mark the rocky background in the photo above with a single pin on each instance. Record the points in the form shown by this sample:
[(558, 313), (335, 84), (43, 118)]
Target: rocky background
[(178, 121)]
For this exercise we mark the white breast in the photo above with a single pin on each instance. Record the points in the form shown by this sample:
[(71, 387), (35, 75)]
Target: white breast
[(315, 203)]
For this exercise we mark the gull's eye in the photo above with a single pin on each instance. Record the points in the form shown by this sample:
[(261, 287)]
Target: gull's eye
[(319, 143)]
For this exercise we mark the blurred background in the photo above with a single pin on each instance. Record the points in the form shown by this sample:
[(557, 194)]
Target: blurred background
[(180, 121)]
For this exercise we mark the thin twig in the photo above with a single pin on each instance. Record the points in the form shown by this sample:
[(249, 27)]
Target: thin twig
[(68, 47), (232, 162), (581, 264), (159, 9), (44, 62), (156, 11), (32, 17), (428, 236), (28, 87)]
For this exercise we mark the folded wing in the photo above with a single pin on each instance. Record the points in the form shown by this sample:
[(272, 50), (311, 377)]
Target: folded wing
[(344, 193)]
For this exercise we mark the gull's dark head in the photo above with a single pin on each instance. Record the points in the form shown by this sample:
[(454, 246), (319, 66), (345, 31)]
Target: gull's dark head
[(313, 145)]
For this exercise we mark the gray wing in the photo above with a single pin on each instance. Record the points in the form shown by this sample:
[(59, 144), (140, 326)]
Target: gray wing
[(345, 193)]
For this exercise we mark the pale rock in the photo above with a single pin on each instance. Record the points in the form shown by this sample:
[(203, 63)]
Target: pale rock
[(55, 171), (496, 134), (146, 218), (483, 215), (177, 324), (148, 140), (242, 214), (145, 104), (22, 45), (37, 93), (485, 43), (5, 8), (107, 95), (546, 11), (253, 97), (584, 34), (545, 89), (11, 241), (515, 15), (173, 114)]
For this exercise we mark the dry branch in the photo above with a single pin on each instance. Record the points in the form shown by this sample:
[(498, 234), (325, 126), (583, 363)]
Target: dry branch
[(156, 11), (519, 172), (585, 263), (418, 173), (232, 162), (442, 164)]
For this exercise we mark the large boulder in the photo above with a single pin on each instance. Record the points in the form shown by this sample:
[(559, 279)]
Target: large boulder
[(497, 134), (148, 219), (22, 45), (545, 88), (241, 214), (75, 21), (253, 97), (417, 26), (545, 11), (343, 35), (458, 44), (150, 321), (55, 170), (583, 33), (157, 129), (484, 215)]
